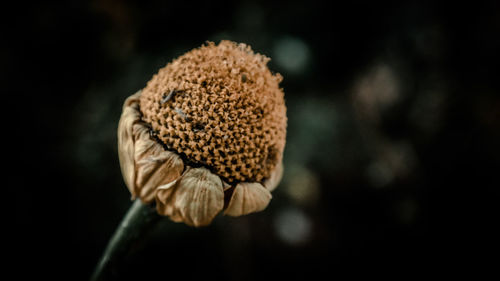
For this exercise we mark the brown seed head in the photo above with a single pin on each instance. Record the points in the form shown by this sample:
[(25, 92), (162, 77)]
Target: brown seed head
[(221, 107)]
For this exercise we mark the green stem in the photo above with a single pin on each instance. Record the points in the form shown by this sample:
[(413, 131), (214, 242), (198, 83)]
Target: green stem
[(139, 219)]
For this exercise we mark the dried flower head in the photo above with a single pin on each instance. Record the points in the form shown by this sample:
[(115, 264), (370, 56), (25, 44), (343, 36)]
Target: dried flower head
[(208, 128)]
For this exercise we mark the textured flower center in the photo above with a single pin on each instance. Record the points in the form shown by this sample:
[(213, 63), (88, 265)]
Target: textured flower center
[(220, 107)]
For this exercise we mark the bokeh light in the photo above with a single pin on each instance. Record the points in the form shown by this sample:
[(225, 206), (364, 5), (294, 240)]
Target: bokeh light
[(293, 226)]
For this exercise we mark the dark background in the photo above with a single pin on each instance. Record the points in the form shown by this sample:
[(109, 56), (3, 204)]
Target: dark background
[(392, 156)]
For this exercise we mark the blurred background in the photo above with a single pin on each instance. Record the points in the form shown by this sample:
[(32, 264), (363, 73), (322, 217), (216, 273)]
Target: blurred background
[(392, 157)]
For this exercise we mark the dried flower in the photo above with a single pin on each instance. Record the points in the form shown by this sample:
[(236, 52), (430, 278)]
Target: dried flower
[(208, 128)]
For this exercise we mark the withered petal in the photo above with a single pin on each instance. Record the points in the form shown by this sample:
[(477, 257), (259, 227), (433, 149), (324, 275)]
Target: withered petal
[(248, 198), (154, 168), (164, 201), (130, 116), (276, 175), (195, 200), (143, 143)]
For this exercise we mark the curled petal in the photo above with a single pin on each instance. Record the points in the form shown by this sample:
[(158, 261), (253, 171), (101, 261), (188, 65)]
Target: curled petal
[(130, 116), (156, 170), (144, 145), (144, 163), (164, 201), (196, 199), (248, 198), (272, 182), (153, 165)]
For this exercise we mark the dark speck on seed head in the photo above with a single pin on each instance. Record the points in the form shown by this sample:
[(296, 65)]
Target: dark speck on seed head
[(168, 97), (197, 127)]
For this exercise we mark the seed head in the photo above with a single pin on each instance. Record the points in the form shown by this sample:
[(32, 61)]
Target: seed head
[(220, 107), (206, 135)]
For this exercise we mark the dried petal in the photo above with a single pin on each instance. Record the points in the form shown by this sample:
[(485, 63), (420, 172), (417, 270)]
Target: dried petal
[(272, 182), (153, 165), (248, 198), (196, 199), (144, 145), (145, 164), (164, 201), (154, 170), (130, 116)]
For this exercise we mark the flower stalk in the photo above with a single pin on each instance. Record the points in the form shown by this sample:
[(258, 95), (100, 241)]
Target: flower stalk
[(139, 219)]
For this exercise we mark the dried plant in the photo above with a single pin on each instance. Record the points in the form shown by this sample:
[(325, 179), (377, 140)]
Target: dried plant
[(205, 136)]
